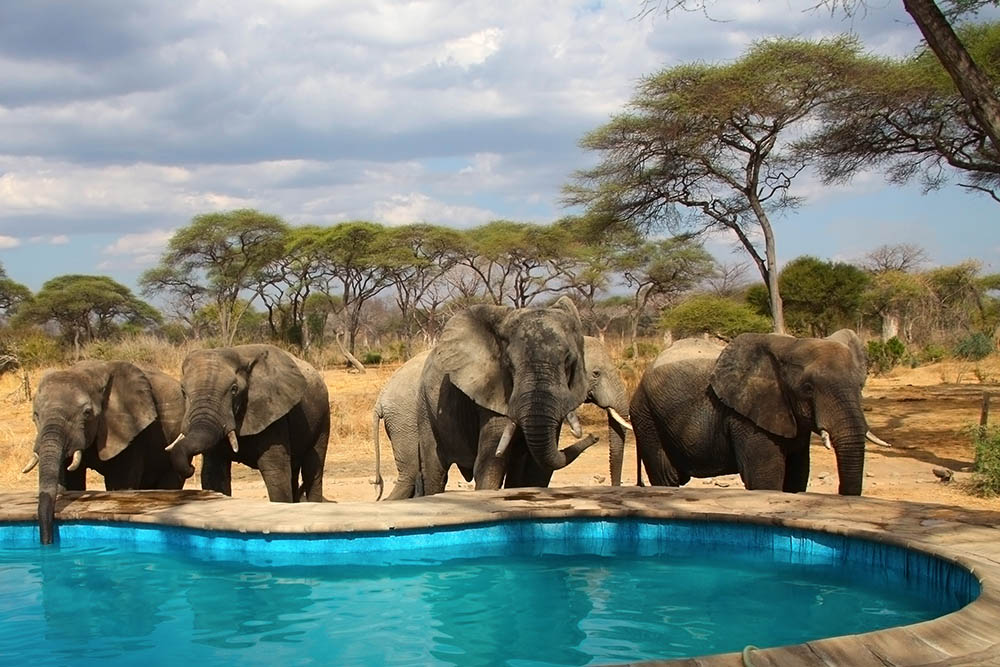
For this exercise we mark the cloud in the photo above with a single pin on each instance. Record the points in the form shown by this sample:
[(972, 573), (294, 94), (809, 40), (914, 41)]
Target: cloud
[(8, 242), (138, 250), (418, 207)]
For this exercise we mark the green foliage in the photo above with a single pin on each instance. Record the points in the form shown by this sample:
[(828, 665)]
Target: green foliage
[(932, 353), (974, 347), (884, 356), (91, 306), (371, 358), (986, 470), (820, 297), (646, 350), (714, 315), (32, 347)]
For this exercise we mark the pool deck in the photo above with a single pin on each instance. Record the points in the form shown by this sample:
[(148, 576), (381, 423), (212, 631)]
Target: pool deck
[(970, 636)]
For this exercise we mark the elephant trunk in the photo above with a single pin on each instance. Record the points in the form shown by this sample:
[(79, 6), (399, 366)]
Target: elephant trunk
[(50, 461), (538, 415), (616, 440), (200, 434), (847, 436)]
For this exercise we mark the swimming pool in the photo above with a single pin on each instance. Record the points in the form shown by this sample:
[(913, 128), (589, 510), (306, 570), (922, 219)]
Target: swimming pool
[(568, 592), (945, 542)]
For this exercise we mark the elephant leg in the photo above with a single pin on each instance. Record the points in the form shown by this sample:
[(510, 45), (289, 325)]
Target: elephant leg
[(404, 487), (534, 474), (313, 463), (75, 480), (433, 473), (650, 448), (760, 462), (216, 473), (275, 463), (489, 468), (797, 470)]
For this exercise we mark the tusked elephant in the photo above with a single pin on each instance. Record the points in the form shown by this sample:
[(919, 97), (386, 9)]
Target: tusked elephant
[(494, 392), (260, 406), (753, 410), (397, 404), (109, 416)]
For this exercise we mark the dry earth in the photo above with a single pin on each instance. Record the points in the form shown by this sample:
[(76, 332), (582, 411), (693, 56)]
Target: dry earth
[(926, 412)]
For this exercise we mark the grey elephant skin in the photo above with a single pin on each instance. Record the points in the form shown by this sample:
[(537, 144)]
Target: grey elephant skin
[(260, 406), (108, 416), (397, 403), (496, 374), (753, 410)]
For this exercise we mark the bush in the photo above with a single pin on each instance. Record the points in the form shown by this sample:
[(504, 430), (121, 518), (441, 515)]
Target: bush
[(883, 357), (371, 358), (974, 347), (646, 350), (713, 315), (933, 353), (33, 348), (986, 475)]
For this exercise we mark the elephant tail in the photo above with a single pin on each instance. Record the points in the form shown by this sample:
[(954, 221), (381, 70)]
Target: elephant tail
[(376, 418)]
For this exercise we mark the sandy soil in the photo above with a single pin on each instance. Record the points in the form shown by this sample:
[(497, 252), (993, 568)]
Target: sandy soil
[(925, 412)]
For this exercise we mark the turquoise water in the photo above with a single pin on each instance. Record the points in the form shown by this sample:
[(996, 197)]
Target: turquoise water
[(568, 593)]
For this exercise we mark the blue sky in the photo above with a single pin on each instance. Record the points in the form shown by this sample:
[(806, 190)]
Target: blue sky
[(119, 121)]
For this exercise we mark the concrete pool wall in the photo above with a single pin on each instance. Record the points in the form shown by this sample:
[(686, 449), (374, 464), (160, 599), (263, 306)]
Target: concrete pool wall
[(970, 636)]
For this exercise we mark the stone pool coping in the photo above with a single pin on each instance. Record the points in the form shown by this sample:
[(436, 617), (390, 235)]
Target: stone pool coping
[(971, 538)]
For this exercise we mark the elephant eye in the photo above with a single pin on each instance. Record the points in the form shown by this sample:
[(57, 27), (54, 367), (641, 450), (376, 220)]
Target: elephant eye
[(87, 410), (807, 388), (234, 389)]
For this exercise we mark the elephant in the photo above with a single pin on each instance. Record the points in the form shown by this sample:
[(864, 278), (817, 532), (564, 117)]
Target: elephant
[(494, 392), (397, 406), (260, 406), (752, 410), (109, 416)]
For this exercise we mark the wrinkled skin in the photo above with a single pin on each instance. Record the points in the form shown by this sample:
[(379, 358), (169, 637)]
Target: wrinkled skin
[(118, 416), (753, 411), (397, 406), (274, 405), (494, 366)]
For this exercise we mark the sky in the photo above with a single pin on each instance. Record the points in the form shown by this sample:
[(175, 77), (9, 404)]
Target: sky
[(121, 120)]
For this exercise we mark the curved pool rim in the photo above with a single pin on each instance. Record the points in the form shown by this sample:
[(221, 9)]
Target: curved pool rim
[(967, 538)]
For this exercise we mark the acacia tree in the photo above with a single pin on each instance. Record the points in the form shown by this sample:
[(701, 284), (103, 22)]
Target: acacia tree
[(12, 294), (821, 296), (712, 140), (907, 117), (87, 307), (657, 272), (216, 258)]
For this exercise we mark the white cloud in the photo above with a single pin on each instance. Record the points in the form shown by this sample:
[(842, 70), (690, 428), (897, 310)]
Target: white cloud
[(8, 242), (472, 49), (418, 207), (143, 243), (59, 239)]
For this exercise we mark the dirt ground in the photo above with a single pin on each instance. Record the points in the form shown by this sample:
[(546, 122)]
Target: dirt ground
[(925, 412)]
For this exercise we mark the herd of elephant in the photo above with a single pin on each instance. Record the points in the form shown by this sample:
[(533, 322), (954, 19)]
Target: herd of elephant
[(491, 397)]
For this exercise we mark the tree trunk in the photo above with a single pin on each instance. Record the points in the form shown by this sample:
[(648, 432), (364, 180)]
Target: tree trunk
[(351, 359), (890, 326), (974, 86), (777, 309)]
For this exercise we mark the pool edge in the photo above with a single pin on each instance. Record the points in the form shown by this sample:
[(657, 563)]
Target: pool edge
[(969, 538)]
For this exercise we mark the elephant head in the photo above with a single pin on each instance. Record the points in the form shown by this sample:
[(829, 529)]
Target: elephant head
[(606, 390), (525, 363), (232, 392), (95, 408), (793, 386)]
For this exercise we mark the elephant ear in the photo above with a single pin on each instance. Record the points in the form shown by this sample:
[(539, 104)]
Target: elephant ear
[(169, 401), (859, 355), (470, 353), (747, 379), (274, 385), (128, 408), (579, 384)]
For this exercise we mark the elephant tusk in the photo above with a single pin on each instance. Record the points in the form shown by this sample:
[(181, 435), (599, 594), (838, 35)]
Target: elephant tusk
[(233, 442), (31, 464), (574, 424), (618, 418), (174, 443), (877, 440), (75, 463), (508, 433), (826, 439)]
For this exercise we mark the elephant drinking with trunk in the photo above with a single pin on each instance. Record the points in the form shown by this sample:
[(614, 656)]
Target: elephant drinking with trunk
[(494, 392), (753, 410), (109, 416), (397, 406), (260, 406)]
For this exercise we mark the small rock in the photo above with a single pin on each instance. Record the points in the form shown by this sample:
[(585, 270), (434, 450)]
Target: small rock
[(599, 479), (823, 475), (869, 474), (719, 482)]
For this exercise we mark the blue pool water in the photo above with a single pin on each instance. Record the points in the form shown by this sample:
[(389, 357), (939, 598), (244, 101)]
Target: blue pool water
[(524, 593)]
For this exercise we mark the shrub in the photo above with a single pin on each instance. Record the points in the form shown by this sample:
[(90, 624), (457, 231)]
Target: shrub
[(883, 357), (974, 347), (33, 348), (933, 353), (714, 315), (371, 358), (986, 470), (646, 350)]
